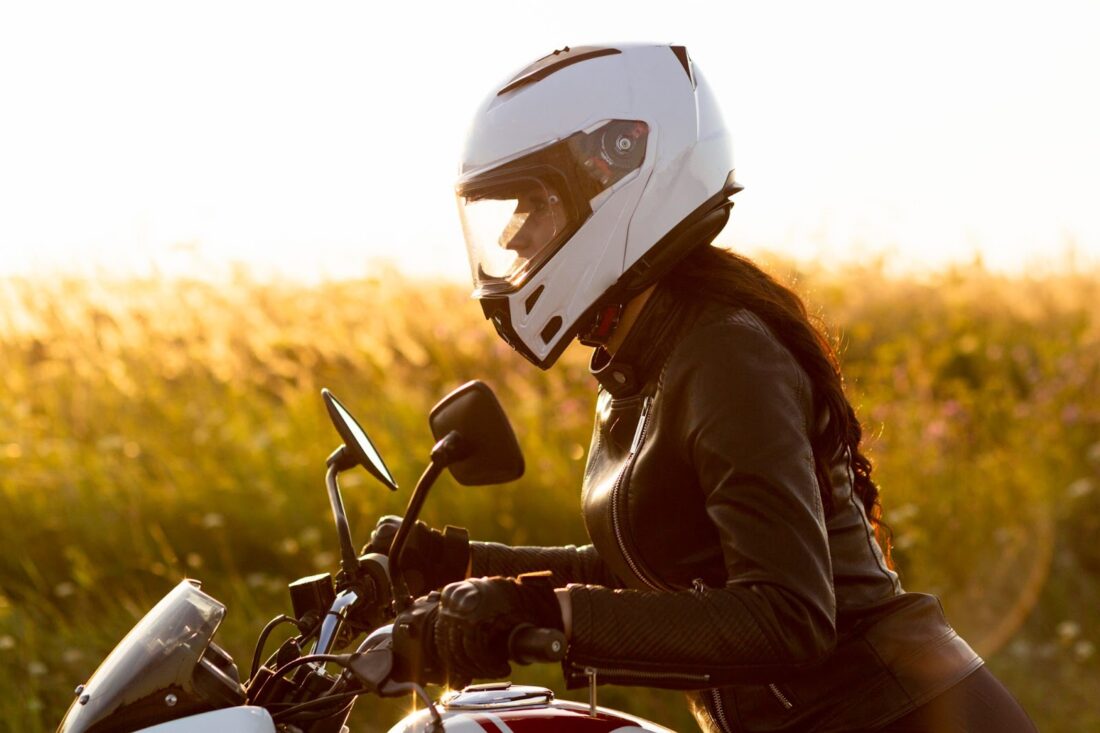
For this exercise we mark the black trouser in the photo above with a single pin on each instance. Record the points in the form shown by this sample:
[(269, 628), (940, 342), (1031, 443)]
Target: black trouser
[(977, 704)]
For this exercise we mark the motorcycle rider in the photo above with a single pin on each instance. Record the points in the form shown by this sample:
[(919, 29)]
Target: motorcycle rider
[(735, 527)]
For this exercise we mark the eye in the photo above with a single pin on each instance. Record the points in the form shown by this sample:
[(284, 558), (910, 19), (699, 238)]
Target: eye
[(543, 203)]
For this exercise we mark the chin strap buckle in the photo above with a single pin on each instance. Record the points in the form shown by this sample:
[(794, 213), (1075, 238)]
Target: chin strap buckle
[(603, 325)]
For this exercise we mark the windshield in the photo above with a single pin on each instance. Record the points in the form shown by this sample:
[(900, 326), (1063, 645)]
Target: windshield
[(159, 655)]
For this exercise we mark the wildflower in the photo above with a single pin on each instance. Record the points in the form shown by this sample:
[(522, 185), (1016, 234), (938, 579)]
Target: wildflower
[(64, 590), (213, 520), (1071, 414), (324, 560), (1093, 454), (6, 643), (904, 512), (37, 669), (1084, 649), (109, 443), (1068, 631), (936, 430), (1080, 487), (193, 560)]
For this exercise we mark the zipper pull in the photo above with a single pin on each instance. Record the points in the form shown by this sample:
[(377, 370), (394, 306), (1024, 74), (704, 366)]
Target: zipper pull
[(591, 672), (639, 431)]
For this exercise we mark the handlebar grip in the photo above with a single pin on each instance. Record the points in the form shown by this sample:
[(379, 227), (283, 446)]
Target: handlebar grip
[(528, 644)]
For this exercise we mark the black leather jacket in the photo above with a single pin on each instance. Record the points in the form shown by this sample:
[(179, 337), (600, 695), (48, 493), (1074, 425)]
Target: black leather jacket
[(713, 566)]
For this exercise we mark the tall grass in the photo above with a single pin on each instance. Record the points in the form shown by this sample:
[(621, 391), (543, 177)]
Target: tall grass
[(155, 429)]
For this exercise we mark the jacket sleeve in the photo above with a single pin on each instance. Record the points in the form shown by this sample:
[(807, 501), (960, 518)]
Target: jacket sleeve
[(737, 406), (568, 564)]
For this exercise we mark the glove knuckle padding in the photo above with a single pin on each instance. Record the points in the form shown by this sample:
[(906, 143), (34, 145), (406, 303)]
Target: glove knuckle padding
[(464, 600), (384, 532)]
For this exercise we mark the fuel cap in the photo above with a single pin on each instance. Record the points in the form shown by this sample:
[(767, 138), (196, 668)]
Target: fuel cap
[(498, 696)]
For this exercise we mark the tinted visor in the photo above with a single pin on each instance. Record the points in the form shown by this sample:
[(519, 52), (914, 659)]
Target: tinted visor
[(516, 216)]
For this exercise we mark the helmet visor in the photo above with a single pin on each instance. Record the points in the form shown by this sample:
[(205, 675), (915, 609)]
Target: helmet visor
[(513, 225), (517, 215)]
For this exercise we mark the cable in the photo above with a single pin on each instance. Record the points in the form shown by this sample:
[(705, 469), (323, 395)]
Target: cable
[(340, 659), (294, 710), (280, 619)]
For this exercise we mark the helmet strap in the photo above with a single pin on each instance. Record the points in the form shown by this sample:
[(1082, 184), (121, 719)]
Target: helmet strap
[(602, 326)]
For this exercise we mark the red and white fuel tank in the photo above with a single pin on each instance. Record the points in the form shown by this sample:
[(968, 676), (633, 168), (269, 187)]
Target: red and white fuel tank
[(502, 707)]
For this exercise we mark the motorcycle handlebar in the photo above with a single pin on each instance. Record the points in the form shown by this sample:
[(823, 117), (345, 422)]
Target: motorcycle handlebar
[(529, 644)]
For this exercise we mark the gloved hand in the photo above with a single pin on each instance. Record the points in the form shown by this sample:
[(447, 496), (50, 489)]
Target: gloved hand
[(476, 617), (431, 559)]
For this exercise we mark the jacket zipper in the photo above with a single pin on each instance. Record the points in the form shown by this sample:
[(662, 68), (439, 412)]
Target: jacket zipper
[(787, 704), (641, 674), (636, 568), (720, 711), (620, 480)]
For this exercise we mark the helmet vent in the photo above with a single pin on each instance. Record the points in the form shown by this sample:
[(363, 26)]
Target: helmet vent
[(685, 61), (533, 298), (556, 61), (550, 329)]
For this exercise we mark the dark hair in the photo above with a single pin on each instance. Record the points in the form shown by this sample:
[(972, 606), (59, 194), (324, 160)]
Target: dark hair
[(720, 275)]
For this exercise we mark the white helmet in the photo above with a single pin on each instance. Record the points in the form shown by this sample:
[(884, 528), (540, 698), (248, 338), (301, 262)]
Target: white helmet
[(584, 178)]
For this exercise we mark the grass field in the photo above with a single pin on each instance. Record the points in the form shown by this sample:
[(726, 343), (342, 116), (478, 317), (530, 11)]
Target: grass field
[(156, 429)]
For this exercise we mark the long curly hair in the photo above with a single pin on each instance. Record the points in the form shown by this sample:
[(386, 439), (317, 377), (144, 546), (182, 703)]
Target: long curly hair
[(721, 275)]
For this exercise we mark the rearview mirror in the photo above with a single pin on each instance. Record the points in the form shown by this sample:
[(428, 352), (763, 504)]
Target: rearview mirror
[(490, 453), (358, 447)]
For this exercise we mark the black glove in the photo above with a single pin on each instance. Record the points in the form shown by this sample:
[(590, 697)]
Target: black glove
[(431, 558), (476, 618)]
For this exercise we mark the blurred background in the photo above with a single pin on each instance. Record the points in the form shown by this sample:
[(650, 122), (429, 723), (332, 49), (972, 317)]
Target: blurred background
[(208, 211)]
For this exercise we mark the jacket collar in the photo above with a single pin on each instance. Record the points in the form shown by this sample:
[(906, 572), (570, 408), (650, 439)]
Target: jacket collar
[(645, 348)]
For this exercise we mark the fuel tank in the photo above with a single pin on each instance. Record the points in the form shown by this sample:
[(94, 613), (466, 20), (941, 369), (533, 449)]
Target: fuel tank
[(503, 707)]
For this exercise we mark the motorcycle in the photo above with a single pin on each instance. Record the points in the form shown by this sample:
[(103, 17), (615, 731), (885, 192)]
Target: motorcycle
[(169, 676)]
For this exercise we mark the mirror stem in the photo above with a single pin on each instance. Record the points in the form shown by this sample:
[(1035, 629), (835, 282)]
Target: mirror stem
[(450, 448), (348, 559), (402, 599)]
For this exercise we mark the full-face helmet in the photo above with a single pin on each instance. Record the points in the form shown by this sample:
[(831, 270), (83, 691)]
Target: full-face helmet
[(584, 178)]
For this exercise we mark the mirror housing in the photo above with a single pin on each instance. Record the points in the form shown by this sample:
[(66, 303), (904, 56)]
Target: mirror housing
[(357, 450), (489, 453)]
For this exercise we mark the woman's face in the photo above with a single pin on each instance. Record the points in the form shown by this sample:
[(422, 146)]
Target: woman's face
[(538, 218)]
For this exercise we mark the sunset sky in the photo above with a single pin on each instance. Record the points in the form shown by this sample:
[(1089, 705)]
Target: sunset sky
[(316, 139)]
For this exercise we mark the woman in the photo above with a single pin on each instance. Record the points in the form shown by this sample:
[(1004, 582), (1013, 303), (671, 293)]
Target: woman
[(734, 523)]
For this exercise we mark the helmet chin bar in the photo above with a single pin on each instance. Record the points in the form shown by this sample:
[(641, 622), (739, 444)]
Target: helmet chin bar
[(497, 309), (598, 322)]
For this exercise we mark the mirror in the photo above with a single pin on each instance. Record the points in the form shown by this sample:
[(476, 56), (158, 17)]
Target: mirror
[(360, 449), (492, 455)]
